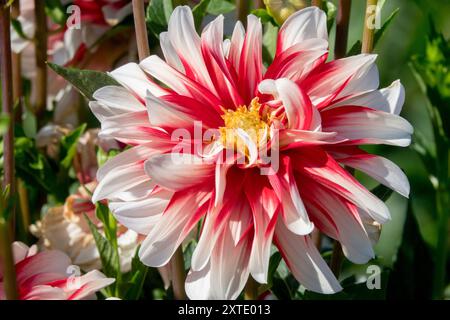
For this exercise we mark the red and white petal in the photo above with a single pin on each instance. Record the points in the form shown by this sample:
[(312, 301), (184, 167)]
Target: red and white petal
[(118, 180), (236, 44), (298, 61), (389, 99), (216, 218), (44, 292), (136, 154), (86, 285), (176, 171), (381, 169), (291, 138), (339, 219), (134, 79), (178, 82), (183, 212), (118, 99), (367, 126), (303, 25), (264, 204), (167, 115), (187, 44), (250, 63), (305, 261), (226, 273), (22, 251), (42, 268), (294, 212), (341, 78), (221, 77), (301, 114), (141, 215), (320, 166), (169, 52)]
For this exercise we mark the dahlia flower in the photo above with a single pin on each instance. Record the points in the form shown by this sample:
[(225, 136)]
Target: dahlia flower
[(69, 47), (253, 154), (50, 275)]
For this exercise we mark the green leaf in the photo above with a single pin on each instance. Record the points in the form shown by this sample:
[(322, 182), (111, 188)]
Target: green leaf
[(158, 15), (6, 202), (69, 143), (382, 192), (139, 272), (103, 213), (217, 7), (108, 254), (33, 167), (264, 16), (274, 262), (269, 42), (103, 156), (187, 254), (199, 12), (85, 81), (331, 11), (55, 10), (17, 26), (4, 122), (356, 48)]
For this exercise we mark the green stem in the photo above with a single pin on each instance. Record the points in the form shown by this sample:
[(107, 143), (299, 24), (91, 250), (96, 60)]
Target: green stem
[(443, 209), (178, 274), (24, 206)]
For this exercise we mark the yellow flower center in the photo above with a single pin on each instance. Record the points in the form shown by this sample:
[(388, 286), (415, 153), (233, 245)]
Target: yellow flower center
[(251, 124)]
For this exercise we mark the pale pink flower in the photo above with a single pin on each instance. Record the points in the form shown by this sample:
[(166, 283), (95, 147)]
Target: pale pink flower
[(314, 113), (50, 275), (65, 228)]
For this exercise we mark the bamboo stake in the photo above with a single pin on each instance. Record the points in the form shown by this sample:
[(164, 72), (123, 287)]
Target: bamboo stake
[(9, 276), (141, 29), (342, 23), (40, 39), (369, 31)]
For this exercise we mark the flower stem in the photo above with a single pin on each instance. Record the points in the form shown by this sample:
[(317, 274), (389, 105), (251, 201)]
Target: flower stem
[(178, 274), (24, 206), (369, 31), (317, 3), (251, 289), (6, 255), (442, 207), (140, 29), (342, 22), (7, 103), (337, 258), (242, 7), (40, 39), (259, 4), (17, 70)]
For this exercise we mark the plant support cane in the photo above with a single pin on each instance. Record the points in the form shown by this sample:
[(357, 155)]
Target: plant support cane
[(7, 211)]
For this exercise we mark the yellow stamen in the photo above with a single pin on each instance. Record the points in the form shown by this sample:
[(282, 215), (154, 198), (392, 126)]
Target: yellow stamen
[(247, 119)]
